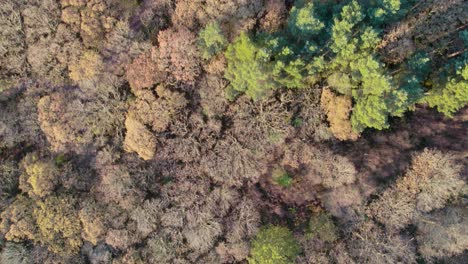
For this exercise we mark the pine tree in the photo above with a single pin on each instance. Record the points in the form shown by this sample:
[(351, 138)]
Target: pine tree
[(247, 70), (211, 40), (303, 23), (452, 95)]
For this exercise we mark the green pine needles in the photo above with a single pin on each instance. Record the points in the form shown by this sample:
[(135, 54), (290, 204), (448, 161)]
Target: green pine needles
[(336, 46)]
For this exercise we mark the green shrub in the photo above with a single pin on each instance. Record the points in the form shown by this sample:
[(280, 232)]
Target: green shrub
[(282, 178), (274, 245)]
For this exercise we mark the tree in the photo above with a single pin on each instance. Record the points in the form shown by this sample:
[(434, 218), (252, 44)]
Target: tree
[(178, 55), (88, 68), (451, 95), (92, 218), (117, 185), (322, 227), (338, 110), (143, 72), (303, 23), (14, 253), (274, 244), (18, 222), (58, 224), (432, 180), (443, 233), (372, 107), (370, 244), (40, 177), (247, 71), (74, 121), (158, 109), (9, 174), (211, 40), (12, 44), (147, 216)]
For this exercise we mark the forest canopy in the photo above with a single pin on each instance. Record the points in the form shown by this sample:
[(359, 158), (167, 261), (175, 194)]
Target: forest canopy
[(233, 131)]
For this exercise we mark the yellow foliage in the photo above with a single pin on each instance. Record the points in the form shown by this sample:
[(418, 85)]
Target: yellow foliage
[(17, 220), (92, 219), (338, 109), (58, 225), (139, 139), (87, 68), (40, 178)]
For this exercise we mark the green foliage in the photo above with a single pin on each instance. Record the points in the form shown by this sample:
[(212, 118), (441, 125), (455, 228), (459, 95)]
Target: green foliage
[(415, 72), (274, 245), (342, 29), (464, 36), (369, 111), (340, 47), (452, 95), (303, 23), (290, 75), (385, 11), (341, 83), (321, 227), (282, 178), (211, 40), (247, 69)]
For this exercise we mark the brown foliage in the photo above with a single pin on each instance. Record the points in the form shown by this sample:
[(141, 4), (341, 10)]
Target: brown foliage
[(212, 100), (158, 110), (178, 55), (319, 166), (143, 72), (311, 118), (12, 42), (432, 28), (152, 16), (18, 223), (147, 216), (231, 164), (369, 244), (88, 67), (276, 12), (19, 119), (443, 233), (93, 220), (118, 186), (235, 15), (73, 122), (431, 181), (121, 239)]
